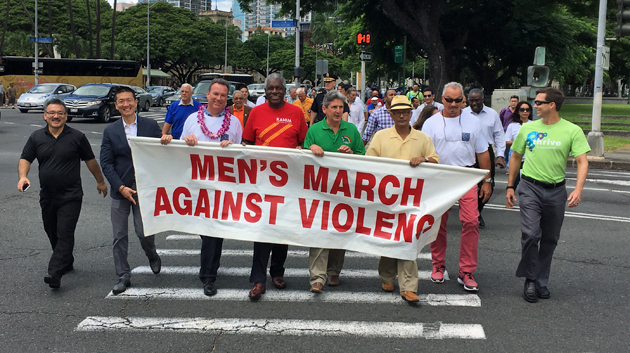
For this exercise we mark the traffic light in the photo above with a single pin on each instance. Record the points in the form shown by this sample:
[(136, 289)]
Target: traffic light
[(363, 38), (398, 54), (623, 18)]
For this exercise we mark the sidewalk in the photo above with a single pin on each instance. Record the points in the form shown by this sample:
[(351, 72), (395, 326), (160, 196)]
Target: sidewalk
[(618, 160)]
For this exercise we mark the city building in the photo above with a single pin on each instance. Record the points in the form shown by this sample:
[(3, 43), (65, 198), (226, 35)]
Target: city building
[(263, 15), (266, 30), (195, 6)]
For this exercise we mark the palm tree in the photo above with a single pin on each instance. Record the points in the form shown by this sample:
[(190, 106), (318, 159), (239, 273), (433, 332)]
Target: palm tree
[(4, 30), (33, 24), (97, 10), (111, 51), (50, 26), (87, 3), (74, 36)]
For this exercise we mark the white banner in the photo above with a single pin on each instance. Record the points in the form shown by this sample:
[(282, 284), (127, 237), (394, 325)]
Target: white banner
[(374, 205)]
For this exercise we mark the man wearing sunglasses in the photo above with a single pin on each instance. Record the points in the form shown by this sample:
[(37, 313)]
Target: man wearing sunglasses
[(492, 131), (546, 144), (429, 99), (458, 139)]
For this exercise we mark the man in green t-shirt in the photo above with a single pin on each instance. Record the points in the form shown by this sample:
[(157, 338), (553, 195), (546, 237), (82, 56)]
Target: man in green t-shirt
[(415, 93), (546, 144), (332, 134)]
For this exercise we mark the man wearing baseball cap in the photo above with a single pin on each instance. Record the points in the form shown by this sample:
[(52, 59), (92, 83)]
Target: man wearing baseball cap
[(401, 142), (317, 113)]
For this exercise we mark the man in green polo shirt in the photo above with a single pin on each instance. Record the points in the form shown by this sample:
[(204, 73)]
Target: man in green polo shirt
[(546, 144), (332, 134)]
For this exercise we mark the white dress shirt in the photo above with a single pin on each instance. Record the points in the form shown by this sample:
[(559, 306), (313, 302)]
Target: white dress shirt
[(356, 115), (491, 128), (131, 129)]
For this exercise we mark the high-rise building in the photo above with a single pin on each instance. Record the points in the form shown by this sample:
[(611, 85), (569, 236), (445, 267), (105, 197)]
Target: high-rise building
[(195, 6), (262, 15)]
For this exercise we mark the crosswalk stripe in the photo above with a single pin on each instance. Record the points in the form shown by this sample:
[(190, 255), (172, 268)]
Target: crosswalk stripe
[(468, 300), (276, 327), (245, 271), (292, 253)]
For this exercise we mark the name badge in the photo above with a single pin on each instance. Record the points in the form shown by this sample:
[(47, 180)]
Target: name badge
[(225, 137), (465, 136)]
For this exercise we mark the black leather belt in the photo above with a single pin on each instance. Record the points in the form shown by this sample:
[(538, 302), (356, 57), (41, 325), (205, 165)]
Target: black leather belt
[(543, 184)]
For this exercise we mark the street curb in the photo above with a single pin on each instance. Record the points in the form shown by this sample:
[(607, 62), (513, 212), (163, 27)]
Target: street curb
[(602, 164)]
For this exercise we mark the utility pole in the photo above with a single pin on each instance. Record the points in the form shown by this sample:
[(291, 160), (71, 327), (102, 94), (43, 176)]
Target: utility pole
[(596, 137), (404, 63), (36, 68), (297, 38)]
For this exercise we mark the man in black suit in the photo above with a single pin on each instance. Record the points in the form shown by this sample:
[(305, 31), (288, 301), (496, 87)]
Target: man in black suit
[(117, 166)]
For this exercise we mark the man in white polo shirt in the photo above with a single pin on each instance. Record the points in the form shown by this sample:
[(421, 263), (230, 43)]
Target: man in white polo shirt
[(457, 137)]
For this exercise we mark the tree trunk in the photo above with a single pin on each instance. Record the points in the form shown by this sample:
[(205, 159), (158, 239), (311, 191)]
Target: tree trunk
[(87, 3), (4, 29), (33, 24), (111, 50), (422, 24), (97, 10), (74, 35)]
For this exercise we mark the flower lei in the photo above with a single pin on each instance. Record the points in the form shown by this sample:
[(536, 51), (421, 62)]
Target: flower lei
[(202, 124)]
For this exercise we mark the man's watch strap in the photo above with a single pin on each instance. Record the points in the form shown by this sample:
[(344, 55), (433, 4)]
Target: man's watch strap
[(426, 158), (510, 187), (489, 180)]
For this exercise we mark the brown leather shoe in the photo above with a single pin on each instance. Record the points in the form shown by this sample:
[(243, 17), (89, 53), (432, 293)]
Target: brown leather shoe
[(279, 282), (317, 287), (333, 280), (409, 296), (388, 287), (257, 291)]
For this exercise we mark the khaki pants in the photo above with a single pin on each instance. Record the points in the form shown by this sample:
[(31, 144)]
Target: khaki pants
[(407, 271), (324, 261)]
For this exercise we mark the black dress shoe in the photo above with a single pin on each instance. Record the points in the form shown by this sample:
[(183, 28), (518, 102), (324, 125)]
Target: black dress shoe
[(121, 286), (279, 282), (156, 265), (209, 289), (542, 292), (481, 222), (529, 292), (52, 281)]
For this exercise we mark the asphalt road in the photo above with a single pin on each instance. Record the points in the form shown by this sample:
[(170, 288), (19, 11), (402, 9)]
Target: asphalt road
[(588, 310)]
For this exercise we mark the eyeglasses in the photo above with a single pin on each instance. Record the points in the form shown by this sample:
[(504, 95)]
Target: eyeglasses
[(451, 100), (428, 95), (524, 110), (55, 113), (541, 102), (400, 112)]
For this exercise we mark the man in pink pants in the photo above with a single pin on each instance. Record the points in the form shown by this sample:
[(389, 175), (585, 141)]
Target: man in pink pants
[(457, 138)]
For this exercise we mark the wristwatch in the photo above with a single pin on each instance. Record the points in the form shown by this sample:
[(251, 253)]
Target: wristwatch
[(510, 187), (426, 159), (489, 180)]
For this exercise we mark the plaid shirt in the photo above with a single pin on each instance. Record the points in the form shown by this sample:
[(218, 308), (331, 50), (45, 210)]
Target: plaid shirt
[(378, 120)]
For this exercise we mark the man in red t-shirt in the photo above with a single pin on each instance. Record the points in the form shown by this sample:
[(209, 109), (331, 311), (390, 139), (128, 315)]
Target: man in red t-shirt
[(274, 124)]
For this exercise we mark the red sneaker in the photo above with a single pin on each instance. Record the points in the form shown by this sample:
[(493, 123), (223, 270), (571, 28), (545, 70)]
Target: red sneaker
[(468, 281), (437, 276)]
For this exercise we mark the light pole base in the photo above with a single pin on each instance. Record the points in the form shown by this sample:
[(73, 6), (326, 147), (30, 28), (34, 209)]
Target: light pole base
[(596, 141)]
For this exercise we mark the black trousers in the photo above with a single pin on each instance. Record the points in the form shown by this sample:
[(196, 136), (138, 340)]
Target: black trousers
[(480, 202), (60, 218), (262, 251), (210, 258)]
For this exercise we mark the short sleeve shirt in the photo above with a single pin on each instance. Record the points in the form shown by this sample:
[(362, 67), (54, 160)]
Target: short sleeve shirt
[(284, 127), (59, 161), (547, 148), (177, 114), (456, 140), (387, 143), (322, 135), (317, 108)]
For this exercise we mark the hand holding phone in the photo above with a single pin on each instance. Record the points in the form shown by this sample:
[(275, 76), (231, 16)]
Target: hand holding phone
[(25, 187)]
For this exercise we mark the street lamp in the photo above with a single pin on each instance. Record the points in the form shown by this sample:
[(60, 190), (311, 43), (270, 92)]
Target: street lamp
[(148, 27)]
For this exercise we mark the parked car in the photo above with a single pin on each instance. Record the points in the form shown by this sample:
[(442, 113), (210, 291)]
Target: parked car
[(256, 90), (200, 90), (177, 96), (93, 100), (145, 100), (36, 97), (160, 93)]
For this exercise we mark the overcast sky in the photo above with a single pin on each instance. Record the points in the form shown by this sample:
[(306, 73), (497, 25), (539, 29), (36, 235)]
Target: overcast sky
[(224, 5)]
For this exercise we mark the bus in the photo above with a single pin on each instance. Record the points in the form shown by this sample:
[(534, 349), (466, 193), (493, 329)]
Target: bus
[(240, 78), (77, 72)]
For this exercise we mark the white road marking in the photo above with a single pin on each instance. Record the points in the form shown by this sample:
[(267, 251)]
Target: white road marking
[(278, 327), (621, 191), (8, 122), (292, 253), (182, 237), (468, 300), (36, 125), (245, 272), (568, 214), (606, 181), (98, 133), (568, 186)]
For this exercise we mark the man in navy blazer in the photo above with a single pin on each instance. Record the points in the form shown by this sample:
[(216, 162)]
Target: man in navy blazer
[(117, 166)]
